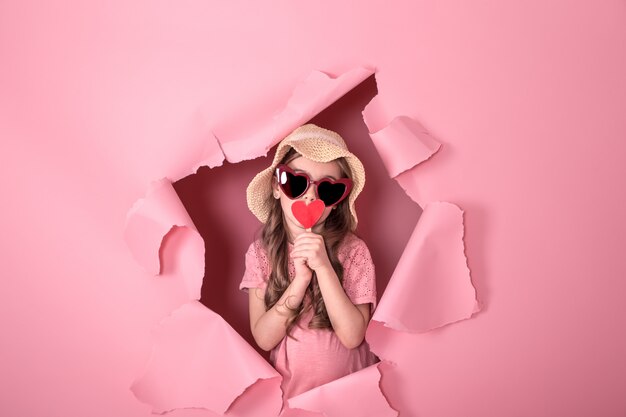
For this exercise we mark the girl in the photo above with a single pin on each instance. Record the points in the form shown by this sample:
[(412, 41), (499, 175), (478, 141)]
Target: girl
[(311, 291)]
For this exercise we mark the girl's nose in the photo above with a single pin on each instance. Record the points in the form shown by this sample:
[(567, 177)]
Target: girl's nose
[(310, 193)]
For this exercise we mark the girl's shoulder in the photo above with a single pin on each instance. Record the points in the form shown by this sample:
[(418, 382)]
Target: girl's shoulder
[(352, 244), (256, 253), (255, 247)]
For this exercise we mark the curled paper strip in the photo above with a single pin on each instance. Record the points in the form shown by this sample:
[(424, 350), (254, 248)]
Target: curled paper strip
[(431, 285), (150, 219), (158, 219), (310, 97), (198, 360), (402, 144), (357, 394)]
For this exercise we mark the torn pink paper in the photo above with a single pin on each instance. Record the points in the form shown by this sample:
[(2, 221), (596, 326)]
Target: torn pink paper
[(431, 286), (401, 144), (150, 219), (263, 398), (357, 394), (198, 360), (311, 96), (179, 253), (201, 148), (210, 154), (443, 287)]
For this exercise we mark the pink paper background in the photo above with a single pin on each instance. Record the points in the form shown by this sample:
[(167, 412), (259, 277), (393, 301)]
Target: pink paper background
[(99, 99)]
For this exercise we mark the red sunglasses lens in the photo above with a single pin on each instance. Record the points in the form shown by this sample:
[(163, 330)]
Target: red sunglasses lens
[(331, 193), (292, 185)]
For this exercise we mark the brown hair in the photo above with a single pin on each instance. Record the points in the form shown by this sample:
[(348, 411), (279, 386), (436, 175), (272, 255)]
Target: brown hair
[(275, 242)]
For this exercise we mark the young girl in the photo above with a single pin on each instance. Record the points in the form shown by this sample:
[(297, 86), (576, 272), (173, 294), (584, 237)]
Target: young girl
[(311, 291)]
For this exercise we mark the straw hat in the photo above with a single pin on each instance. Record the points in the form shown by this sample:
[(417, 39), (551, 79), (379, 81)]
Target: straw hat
[(312, 142)]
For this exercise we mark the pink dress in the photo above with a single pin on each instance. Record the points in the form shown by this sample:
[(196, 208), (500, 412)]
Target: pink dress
[(317, 356)]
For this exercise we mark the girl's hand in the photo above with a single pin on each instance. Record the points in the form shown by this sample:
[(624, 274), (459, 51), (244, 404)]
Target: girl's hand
[(310, 247), (301, 269)]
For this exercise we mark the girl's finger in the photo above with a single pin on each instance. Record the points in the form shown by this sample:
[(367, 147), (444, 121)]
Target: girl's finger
[(308, 251), (306, 246), (299, 254)]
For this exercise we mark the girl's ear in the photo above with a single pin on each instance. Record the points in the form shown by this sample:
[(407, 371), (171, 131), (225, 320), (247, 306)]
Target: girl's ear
[(275, 189)]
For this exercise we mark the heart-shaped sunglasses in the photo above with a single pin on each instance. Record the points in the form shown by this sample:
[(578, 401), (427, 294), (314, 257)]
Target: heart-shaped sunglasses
[(295, 184)]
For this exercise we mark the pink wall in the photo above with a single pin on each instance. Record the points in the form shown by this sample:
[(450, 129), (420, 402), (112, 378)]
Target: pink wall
[(98, 99)]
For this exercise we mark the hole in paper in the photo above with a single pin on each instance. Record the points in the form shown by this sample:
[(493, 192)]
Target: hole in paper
[(216, 201)]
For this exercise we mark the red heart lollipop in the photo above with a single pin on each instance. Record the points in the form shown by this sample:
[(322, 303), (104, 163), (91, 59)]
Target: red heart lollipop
[(308, 215)]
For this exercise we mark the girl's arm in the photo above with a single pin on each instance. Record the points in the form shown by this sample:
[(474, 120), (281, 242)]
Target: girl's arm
[(349, 321), (269, 326)]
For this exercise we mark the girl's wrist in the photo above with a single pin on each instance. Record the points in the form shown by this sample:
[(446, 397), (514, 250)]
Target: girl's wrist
[(324, 270), (305, 279)]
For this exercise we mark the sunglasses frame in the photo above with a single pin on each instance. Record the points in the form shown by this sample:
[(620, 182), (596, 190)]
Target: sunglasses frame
[(345, 181)]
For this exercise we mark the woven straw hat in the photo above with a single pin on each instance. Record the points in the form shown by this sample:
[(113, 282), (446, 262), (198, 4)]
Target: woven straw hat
[(312, 142)]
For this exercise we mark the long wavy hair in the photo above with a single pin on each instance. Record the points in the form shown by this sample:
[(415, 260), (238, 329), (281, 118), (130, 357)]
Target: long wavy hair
[(275, 242)]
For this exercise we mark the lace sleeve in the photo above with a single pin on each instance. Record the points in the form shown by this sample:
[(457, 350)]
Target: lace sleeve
[(359, 278), (257, 268)]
